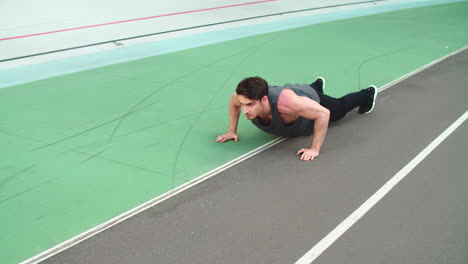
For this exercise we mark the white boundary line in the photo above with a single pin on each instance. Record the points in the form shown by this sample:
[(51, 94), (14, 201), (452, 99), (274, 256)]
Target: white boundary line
[(328, 240), (421, 69), (96, 230)]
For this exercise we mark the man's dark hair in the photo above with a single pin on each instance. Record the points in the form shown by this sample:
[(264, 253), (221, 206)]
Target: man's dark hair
[(253, 88)]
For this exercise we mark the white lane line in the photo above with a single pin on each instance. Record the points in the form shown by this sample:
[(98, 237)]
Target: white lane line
[(328, 240), (406, 76)]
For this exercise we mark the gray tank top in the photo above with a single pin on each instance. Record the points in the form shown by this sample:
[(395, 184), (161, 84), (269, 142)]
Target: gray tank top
[(300, 127)]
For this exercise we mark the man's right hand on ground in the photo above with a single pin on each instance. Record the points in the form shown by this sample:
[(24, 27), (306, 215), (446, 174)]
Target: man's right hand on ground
[(228, 136)]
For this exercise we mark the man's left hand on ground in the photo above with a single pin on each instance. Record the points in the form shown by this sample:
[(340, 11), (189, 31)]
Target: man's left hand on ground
[(308, 154)]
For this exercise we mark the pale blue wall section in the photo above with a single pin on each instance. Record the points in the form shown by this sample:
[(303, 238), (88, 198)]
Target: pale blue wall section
[(15, 76)]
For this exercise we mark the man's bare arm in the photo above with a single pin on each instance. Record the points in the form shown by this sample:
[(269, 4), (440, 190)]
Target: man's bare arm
[(234, 113), (308, 108), (321, 116)]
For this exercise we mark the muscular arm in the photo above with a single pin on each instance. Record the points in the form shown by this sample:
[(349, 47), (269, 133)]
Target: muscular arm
[(234, 113), (314, 111), (307, 108)]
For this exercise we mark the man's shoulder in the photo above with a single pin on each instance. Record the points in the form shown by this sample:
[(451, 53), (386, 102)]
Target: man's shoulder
[(288, 102), (287, 93)]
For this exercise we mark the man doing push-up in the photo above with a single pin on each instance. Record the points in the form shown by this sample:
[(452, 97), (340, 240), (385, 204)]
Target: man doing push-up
[(293, 110)]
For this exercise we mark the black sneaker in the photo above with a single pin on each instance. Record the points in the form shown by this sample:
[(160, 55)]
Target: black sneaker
[(369, 106), (318, 85)]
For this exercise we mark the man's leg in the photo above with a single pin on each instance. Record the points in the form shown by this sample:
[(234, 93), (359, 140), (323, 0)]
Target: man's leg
[(339, 107)]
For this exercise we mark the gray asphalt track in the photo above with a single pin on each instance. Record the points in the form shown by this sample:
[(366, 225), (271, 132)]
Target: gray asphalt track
[(423, 220), (272, 208)]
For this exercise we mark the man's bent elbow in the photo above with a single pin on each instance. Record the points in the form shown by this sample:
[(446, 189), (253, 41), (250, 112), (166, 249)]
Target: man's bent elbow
[(326, 114)]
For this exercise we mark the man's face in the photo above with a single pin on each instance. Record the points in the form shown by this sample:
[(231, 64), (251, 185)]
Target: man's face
[(251, 108)]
